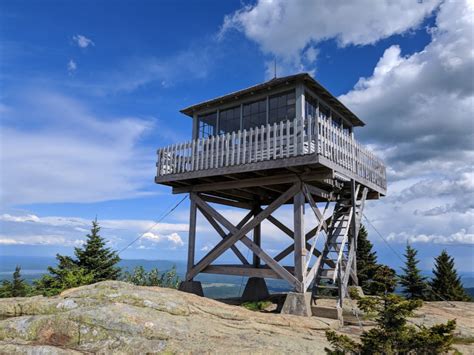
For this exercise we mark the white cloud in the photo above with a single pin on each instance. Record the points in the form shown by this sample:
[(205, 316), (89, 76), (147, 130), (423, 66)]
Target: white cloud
[(72, 155), (29, 229), (288, 28), (418, 109), (459, 237), (82, 41), (71, 66), (52, 240), (173, 239)]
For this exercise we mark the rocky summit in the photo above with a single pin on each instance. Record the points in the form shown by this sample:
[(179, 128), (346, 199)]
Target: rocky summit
[(117, 317)]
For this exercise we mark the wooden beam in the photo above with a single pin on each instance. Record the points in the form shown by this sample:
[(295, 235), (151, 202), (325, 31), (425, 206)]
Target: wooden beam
[(319, 192), (280, 226), (257, 231), (226, 202), (299, 237), (222, 246), (192, 235), (224, 235), (240, 270), (259, 181), (315, 208)]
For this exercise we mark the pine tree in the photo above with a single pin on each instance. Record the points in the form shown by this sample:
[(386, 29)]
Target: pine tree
[(446, 283), (15, 288), (96, 258), (414, 285), (393, 334), (19, 286), (366, 259)]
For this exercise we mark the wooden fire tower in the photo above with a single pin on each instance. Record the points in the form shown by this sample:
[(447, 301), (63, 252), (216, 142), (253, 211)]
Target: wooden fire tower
[(285, 141)]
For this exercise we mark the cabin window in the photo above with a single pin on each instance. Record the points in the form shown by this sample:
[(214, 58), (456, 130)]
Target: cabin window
[(255, 114), (282, 107), (311, 107), (336, 121), (346, 128), (324, 112), (229, 120), (207, 125)]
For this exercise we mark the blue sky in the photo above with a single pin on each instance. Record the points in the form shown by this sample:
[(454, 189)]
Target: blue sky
[(90, 90)]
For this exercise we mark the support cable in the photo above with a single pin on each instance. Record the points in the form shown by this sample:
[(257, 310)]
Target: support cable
[(401, 259), (163, 216)]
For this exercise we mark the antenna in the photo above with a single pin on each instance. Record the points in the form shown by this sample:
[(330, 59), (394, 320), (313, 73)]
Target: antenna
[(275, 67)]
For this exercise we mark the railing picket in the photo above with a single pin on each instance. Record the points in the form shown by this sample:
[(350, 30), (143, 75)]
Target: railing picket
[(256, 144), (273, 141), (227, 138)]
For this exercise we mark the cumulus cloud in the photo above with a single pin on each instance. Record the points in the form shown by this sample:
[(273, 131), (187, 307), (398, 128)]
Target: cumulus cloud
[(418, 109), (82, 41), (289, 28), (73, 155), (459, 237), (174, 238), (52, 240), (29, 229)]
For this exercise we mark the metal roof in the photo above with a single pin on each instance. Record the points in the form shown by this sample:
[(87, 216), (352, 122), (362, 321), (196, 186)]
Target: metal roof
[(309, 81)]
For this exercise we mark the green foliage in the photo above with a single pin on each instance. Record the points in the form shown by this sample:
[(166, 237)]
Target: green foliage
[(15, 288), (393, 335), (256, 305), (92, 263), (446, 283), (61, 279), (374, 278), (153, 277), (414, 285), (96, 258)]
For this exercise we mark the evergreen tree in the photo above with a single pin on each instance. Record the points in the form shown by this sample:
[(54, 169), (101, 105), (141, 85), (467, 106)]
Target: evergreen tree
[(19, 286), (15, 288), (446, 282), (92, 263), (96, 258), (383, 281), (393, 335), (366, 260), (414, 285)]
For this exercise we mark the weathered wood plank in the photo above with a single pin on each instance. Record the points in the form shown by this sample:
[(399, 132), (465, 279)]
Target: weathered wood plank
[(222, 246)]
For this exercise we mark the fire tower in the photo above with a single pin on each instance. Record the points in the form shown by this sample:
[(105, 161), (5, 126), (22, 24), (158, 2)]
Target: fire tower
[(287, 141)]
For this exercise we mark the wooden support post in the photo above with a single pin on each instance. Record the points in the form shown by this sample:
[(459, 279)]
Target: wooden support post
[(192, 235), (299, 238), (257, 239), (355, 231)]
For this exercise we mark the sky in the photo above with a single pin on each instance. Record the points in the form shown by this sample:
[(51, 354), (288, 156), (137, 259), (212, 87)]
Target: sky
[(90, 90)]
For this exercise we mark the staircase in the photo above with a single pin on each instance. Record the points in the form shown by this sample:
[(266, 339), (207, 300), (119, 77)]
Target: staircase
[(338, 256)]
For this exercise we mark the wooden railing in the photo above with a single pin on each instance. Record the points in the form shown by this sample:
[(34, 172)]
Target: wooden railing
[(277, 141)]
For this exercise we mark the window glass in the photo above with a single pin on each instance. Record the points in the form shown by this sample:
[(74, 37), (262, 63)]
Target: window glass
[(229, 120), (324, 112), (311, 106), (282, 107), (255, 114), (207, 124), (336, 120)]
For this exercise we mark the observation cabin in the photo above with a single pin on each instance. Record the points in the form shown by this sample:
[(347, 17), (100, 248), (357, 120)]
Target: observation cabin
[(287, 141)]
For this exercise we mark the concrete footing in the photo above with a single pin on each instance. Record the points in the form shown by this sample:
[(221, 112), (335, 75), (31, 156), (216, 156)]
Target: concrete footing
[(191, 287), (298, 304), (255, 290)]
